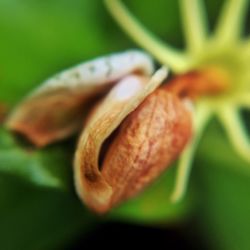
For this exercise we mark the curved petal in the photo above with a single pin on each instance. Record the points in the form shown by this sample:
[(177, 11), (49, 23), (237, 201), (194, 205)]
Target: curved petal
[(122, 99), (56, 109)]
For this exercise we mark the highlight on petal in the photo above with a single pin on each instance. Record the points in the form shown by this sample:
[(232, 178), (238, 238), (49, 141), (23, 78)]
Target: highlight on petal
[(167, 55), (90, 184), (201, 116), (194, 24), (56, 109), (237, 135)]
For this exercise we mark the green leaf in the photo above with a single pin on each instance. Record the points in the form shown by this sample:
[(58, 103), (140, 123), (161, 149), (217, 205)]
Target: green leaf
[(217, 151), (34, 218), (49, 167), (163, 19), (40, 38), (224, 184)]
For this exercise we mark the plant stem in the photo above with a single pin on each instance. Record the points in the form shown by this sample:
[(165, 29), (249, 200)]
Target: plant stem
[(166, 55), (194, 24), (229, 27), (201, 118)]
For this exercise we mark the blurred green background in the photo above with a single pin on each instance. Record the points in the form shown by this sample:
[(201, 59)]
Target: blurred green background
[(38, 206)]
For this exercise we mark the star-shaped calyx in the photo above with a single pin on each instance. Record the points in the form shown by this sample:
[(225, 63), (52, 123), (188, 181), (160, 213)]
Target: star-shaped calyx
[(224, 55)]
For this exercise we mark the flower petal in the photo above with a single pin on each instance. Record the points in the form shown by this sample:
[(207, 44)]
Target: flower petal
[(90, 184), (56, 109)]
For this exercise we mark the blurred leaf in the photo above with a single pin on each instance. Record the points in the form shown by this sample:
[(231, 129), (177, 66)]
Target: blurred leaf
[(33, 218), (224, 186), (40, 38), (216, 150), (162, 18), (50, 167)]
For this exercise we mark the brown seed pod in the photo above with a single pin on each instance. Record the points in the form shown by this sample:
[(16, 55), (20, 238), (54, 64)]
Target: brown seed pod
[(152, 127)]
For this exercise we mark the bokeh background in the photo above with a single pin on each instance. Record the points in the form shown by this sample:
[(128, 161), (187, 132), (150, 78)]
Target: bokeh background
[(38, 205)]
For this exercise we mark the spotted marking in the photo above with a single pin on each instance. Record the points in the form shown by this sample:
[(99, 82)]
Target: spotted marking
[(92, 68), (109, 67)]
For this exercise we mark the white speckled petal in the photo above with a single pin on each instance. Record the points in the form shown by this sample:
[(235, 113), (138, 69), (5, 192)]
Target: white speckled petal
[(100, 71), (55, 110)]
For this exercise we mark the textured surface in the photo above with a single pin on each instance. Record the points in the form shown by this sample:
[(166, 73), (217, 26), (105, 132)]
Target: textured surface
[(93, 189), (148, 140)]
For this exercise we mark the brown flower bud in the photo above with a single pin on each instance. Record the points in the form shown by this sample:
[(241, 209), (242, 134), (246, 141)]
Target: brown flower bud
[(150, 132)]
